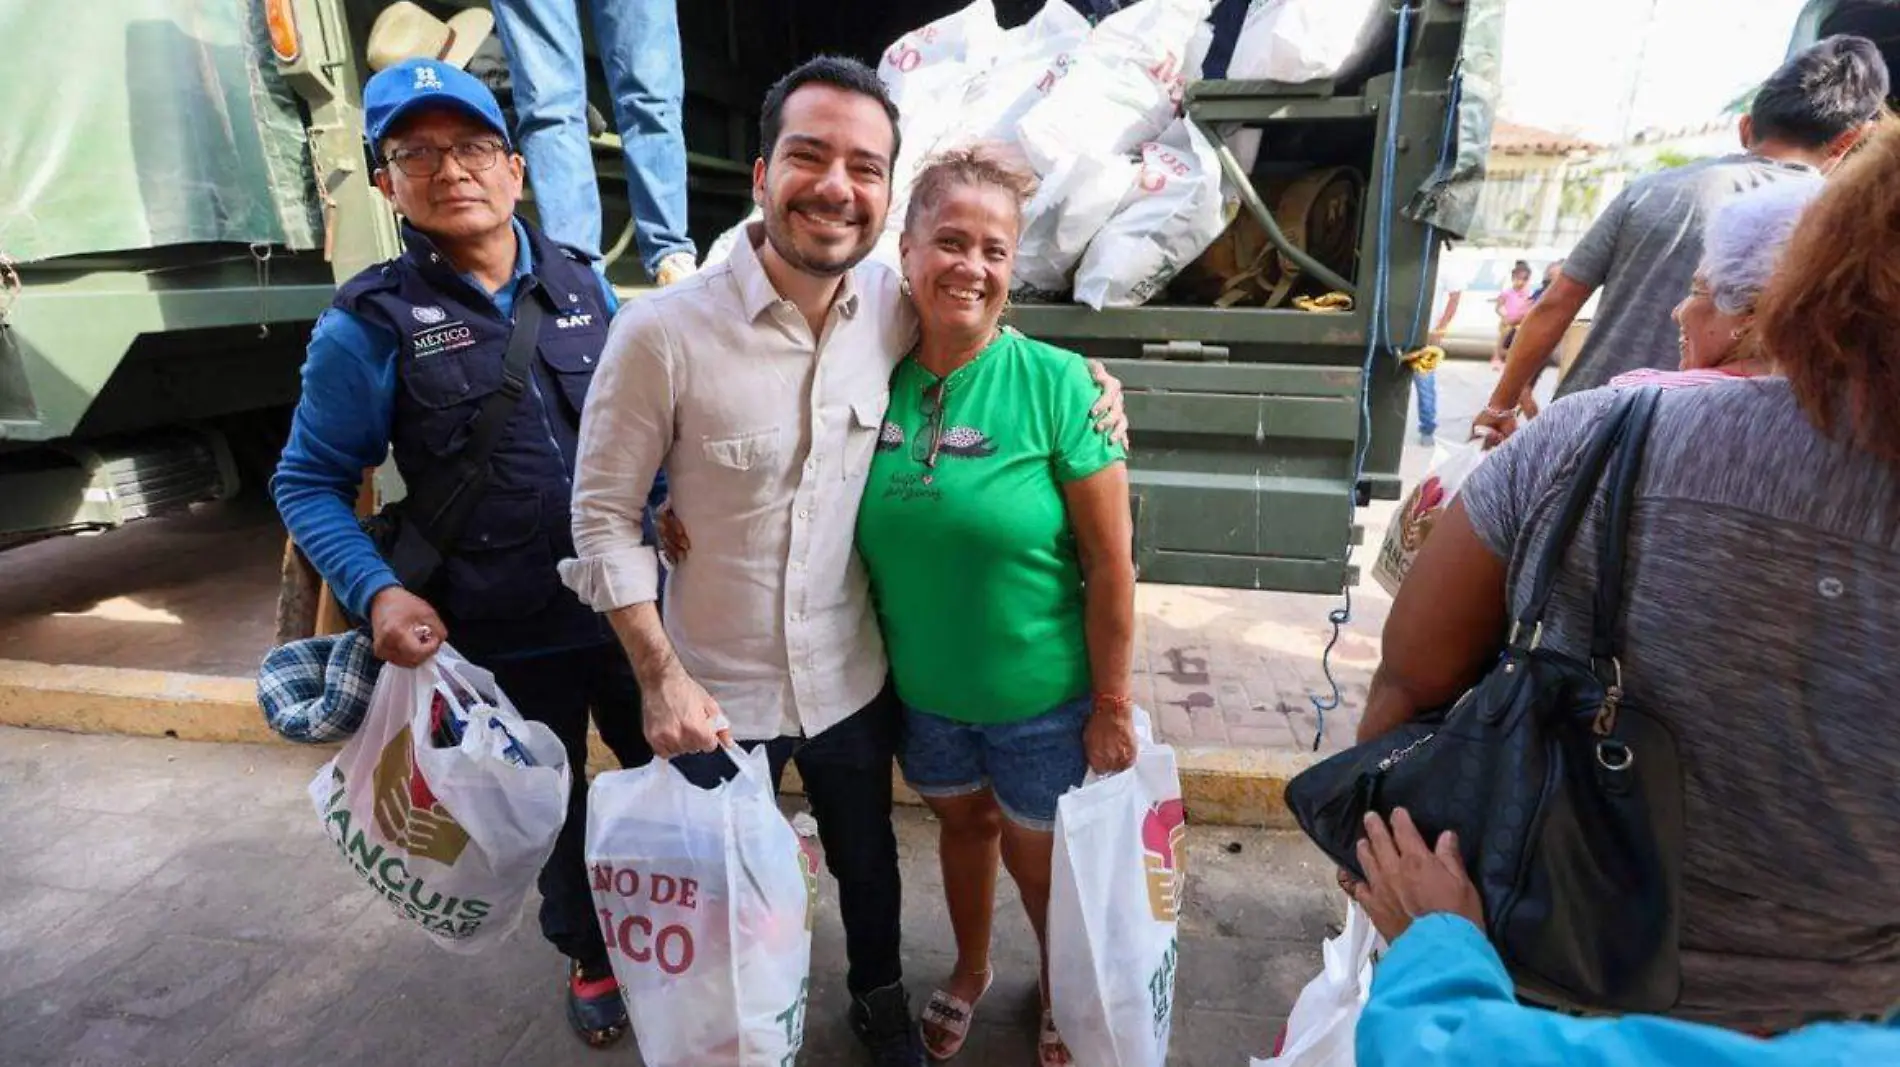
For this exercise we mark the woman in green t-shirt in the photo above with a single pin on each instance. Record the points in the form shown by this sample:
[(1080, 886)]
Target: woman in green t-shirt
[(996, 529)]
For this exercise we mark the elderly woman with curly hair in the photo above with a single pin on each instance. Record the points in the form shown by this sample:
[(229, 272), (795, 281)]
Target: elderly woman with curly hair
[(1762, 613), (1741, 247)]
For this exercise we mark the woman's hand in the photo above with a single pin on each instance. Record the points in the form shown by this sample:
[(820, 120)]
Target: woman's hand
[(1406, 880), (1109, 737), (1110, 417), (674, 544)]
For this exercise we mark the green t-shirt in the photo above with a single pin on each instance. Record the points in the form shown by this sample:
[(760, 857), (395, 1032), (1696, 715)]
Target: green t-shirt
[(973, 563)]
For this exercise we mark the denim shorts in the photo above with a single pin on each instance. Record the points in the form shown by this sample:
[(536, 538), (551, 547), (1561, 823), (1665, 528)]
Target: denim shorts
[(1027, 764)]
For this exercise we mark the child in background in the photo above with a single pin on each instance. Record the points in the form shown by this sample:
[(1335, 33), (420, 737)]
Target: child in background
[(1513, 304)]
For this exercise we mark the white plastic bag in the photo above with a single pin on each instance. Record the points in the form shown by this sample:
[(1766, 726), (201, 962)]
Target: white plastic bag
[(1419, 512), (1319, 1030), (1114, 901), (452, 837), (1033, 58), (1124, 87), (1176, 209), (705, 900), (915, 66), (928, 71), (1304, 40), (1069, 209)]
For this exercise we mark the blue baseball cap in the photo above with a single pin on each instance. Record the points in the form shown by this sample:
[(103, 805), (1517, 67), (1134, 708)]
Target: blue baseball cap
[(399, 91)]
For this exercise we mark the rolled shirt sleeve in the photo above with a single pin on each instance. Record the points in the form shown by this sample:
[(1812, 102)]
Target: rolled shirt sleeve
[(626, 434)]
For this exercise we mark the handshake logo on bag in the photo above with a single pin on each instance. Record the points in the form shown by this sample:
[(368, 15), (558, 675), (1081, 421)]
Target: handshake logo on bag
[(407, 812), (1163, 833), (1420, 513)]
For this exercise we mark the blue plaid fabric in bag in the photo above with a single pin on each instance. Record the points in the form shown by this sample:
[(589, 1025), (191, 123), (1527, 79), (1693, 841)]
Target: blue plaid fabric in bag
[(318, 689)]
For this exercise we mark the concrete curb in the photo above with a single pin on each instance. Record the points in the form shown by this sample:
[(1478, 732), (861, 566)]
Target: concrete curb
[(1221, 786), (116, 700)]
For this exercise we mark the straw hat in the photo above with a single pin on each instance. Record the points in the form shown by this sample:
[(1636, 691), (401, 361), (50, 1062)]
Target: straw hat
[(405, 31)]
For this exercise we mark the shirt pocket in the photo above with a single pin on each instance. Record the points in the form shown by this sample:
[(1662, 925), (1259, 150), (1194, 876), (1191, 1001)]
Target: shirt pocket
[(744, 466), (862, 428)]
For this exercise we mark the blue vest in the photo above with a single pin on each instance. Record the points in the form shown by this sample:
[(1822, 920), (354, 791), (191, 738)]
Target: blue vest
[(498, 590)]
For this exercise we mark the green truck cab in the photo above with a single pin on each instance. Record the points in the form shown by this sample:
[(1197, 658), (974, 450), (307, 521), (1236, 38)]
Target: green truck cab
[(150, 376)]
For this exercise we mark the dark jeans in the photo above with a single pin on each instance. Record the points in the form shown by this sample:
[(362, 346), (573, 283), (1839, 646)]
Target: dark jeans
[(559, 689), (847, 776)]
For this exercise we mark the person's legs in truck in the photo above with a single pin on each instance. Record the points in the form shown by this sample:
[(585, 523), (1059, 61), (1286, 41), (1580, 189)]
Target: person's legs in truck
[(549, 73), (639, 43)]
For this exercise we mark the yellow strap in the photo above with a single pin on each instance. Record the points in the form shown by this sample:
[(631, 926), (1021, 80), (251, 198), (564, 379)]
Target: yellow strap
[(1425, 360), (1331, 302)]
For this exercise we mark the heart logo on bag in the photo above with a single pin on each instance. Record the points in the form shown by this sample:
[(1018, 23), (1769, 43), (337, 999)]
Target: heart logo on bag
[(407, 811), (1163, 832)]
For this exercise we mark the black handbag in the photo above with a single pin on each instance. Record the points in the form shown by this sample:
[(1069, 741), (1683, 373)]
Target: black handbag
[(415, 533), (1566, 799)]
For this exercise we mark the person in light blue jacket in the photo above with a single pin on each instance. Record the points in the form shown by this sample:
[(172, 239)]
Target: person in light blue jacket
[(1441, 996)]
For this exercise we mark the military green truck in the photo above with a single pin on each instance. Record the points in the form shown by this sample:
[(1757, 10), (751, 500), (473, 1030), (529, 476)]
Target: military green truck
[(206, 188)]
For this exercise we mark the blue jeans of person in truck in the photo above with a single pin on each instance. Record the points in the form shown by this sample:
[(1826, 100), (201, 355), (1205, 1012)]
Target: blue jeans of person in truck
[(639, 46), (1427, 386)]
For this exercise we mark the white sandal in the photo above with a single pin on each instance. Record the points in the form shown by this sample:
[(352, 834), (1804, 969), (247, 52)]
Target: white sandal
[(952, 1016), (1051, 1050)]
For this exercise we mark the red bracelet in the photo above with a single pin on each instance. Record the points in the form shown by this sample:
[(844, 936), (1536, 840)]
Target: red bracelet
[(1111, 702)]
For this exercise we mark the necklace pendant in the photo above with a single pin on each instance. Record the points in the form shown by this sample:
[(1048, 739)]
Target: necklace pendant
[(929, 479)]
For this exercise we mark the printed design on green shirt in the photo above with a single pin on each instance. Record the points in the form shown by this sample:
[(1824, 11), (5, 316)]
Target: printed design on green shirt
[(966, 443)]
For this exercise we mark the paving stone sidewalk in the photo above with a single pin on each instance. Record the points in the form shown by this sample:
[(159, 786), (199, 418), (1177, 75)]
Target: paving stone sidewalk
[(171, 904)]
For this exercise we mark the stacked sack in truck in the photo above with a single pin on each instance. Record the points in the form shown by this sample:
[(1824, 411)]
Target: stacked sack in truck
[(1131, 191), (1095, 111)]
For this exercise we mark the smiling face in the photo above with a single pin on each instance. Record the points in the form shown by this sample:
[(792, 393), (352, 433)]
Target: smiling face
[(826, 188), (456, 203), (957, 256), (1709, 336)]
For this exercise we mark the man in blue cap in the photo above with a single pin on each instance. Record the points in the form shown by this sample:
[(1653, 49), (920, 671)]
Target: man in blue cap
[(419, 355)]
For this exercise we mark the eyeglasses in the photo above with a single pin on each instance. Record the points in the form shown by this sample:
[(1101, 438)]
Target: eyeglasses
[(932, 408), (425, 161)]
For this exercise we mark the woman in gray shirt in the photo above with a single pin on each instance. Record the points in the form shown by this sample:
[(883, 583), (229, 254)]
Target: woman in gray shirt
[(1762, 619)]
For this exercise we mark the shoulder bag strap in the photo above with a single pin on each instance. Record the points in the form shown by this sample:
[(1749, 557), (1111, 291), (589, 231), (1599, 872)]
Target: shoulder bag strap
[(443, 505), (1528, 627), (1612, 545)]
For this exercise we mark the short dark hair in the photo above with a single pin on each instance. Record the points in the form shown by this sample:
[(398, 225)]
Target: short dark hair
[(840, 72), (1837, 85), (1522, 266)]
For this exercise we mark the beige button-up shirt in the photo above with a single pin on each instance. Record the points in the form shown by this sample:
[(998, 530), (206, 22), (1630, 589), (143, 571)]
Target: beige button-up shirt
[(766, 435)]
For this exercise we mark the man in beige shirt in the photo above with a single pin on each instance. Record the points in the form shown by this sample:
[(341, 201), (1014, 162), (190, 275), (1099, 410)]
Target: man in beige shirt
[(760, 385)]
